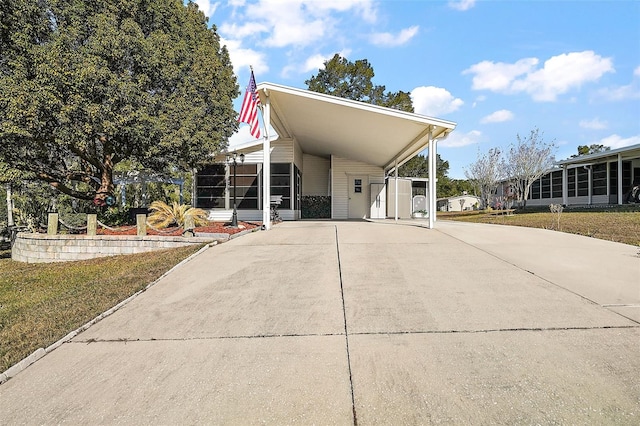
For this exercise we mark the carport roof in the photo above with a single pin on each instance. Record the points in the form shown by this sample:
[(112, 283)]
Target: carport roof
[(325, 125)]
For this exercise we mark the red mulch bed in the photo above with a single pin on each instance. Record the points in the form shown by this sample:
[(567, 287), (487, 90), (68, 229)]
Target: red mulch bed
[(212, 228)]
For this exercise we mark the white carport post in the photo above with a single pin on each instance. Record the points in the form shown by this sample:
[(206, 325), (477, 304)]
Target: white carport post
[(396, 172), (432, 181), (266, 165)]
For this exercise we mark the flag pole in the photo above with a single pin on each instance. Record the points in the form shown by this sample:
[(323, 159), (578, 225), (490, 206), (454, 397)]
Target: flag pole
[(265, 110)]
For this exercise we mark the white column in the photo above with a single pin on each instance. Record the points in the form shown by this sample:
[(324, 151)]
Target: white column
[(620, 179), (266, 166), (565, 186), (9, 206), (396, 179), (432, 182)]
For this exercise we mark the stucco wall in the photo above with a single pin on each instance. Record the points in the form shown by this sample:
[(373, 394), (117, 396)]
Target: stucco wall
[(43, 248)]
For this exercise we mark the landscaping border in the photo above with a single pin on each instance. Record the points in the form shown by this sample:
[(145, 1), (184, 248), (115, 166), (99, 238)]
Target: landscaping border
[(45, 248)]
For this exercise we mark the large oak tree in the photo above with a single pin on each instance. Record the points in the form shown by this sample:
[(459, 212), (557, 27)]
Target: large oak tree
[(85, 84)]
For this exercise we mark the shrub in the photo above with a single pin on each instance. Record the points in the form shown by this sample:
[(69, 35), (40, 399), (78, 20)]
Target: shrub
[(163, 215), (316, 207)]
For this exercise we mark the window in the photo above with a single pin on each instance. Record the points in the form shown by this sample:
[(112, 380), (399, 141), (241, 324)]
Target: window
[(613, 179), (418, 188), (556, 184), (546, 186), (599, 179), (210, 187), (246, 186), (535, 190), (357, 185), (626, 176), (583, 181), (571, 182), (281, 183)]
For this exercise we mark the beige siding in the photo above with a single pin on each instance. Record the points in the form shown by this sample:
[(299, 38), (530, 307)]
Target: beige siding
[(281, 152), (341, 168), (315, 175), (298, 156)]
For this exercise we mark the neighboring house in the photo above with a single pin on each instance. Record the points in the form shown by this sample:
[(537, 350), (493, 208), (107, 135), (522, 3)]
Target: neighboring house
[(325, 146), (458, 203), (602, 178)]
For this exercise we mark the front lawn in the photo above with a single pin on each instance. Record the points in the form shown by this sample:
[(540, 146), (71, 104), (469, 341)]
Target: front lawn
[(621, 226), (41, 303)]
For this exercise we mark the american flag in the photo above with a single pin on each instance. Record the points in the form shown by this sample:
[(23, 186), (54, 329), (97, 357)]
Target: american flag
[(249, 110)]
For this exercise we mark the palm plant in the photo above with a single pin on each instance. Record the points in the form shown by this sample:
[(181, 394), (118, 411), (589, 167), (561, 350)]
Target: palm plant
[(164, 215)]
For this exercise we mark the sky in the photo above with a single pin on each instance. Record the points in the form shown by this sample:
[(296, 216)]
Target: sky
[(496, 68)]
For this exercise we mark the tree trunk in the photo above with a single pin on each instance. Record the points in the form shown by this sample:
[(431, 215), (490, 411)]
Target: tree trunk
[(9, 206), (104, 194)]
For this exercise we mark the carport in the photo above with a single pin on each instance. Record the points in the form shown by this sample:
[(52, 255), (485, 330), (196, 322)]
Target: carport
[(328, 126)]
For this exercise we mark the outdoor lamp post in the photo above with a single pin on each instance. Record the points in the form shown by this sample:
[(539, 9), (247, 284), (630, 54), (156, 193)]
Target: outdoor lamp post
[(233, 159)]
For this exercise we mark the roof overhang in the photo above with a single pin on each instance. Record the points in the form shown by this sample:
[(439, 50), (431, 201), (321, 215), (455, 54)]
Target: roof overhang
[(325, 125), (632, 151)]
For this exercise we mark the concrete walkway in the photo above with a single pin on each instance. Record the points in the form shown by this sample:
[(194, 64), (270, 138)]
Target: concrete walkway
[(367, 323)]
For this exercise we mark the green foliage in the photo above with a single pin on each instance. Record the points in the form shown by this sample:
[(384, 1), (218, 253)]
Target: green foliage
[(418, 166), (85, 85), (590, 149), (315, 207), (162, 215), (352, 80)]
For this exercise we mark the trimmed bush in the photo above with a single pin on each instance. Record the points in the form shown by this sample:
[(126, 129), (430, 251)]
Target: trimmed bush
[(316, 207)]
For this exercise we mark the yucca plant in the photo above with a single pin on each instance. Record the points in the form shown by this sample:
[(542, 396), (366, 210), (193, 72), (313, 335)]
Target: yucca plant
[(163, 215)]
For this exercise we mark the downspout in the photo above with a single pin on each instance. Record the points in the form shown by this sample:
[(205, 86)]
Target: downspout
[(266, 165)]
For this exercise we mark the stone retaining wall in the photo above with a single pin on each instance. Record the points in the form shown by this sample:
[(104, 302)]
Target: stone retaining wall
[(39, 248)]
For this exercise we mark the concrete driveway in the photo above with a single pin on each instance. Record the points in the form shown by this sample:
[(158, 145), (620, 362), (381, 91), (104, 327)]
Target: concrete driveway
[(361, 323)]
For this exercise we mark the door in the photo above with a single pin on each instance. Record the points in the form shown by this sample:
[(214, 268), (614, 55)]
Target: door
[(378, 201), (358, 196)]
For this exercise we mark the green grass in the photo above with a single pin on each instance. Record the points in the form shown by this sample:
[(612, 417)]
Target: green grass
[(41, 303), (621, 226)]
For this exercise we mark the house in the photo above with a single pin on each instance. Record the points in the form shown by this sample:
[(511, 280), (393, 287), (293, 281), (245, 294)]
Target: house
[(326, 148), (458, 203), (603, 178)]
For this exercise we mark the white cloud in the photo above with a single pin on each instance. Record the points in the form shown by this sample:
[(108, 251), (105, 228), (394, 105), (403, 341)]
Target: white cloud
[(242, 58), (620, 93), (208, 7), (498, 77), (462, 5), (636, 72), (558, 75), (615, 141), (391, 40), (595, 124), (296, 22), (434, 101), (498, 116), (242, 31), (457, 140), (312, 63)]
